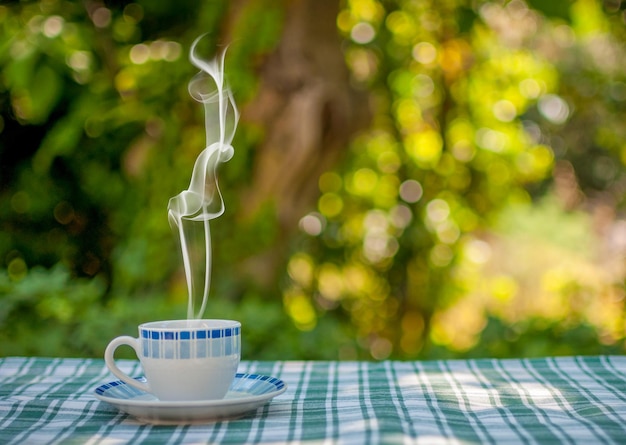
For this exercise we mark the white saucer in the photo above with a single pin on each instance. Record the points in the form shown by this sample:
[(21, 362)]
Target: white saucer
[(246, 393)]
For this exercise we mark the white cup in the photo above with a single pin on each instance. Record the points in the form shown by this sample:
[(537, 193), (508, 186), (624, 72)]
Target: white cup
[(183, 359)]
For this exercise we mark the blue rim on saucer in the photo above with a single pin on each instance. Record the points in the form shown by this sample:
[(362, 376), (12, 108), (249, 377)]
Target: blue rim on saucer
[(247, 392), (243, 385)]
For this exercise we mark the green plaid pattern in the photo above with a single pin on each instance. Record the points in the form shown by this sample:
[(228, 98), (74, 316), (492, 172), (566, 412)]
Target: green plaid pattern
[(552, 400)]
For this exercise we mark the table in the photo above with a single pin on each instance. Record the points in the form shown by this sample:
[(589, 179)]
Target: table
[(545, 400)]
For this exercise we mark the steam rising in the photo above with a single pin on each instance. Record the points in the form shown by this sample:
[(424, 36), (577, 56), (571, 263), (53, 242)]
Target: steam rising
[(190, 211)]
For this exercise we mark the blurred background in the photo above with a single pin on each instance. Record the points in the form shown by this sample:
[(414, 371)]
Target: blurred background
[(411, 179)]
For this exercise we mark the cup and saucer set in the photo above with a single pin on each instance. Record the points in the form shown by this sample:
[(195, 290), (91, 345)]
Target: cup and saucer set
[(190, 369)]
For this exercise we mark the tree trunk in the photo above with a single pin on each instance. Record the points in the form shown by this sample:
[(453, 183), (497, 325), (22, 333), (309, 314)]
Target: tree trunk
[(309, 112)]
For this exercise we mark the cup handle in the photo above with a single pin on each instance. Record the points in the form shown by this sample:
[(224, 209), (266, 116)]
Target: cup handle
[(110, 361)]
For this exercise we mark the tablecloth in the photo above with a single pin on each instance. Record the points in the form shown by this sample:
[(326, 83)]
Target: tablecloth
[(544, 400)]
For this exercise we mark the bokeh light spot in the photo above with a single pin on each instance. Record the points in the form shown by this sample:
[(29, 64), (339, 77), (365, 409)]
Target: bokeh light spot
[(302, 312), (381, 348), (411, 191), (139, 54), (530, 88), (364, 181), (423, 85), (491, 140), (173, 51), (448, 232), (389, 162), (300, 269), (441, 255), (424, 53), (330, 281), (425, 147), (402, 25), (330, 204), (53, 26), (478, 251), (125, 82), (504, 111), (437, 210), (101, 17), (330, 182), (400, 216), (463, 151), (312, 224), (362, 33), (79, 60), (553, 108)]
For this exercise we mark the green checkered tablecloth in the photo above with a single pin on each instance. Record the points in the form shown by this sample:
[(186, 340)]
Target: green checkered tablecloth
[(551, 400)]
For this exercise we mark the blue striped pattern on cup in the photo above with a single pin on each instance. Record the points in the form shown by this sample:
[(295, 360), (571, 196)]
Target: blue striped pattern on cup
[(188, 344)]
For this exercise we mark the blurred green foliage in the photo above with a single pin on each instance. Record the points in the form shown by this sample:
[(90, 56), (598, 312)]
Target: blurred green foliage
[(480, 214)]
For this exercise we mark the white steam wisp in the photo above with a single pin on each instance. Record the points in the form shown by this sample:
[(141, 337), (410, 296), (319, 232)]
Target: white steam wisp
[(190, 211)]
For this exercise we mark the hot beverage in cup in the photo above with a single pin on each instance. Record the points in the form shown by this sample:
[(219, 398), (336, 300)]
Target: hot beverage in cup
[(183, 359)]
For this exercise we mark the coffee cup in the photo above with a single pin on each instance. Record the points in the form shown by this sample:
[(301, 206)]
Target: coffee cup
[(183, 359)]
